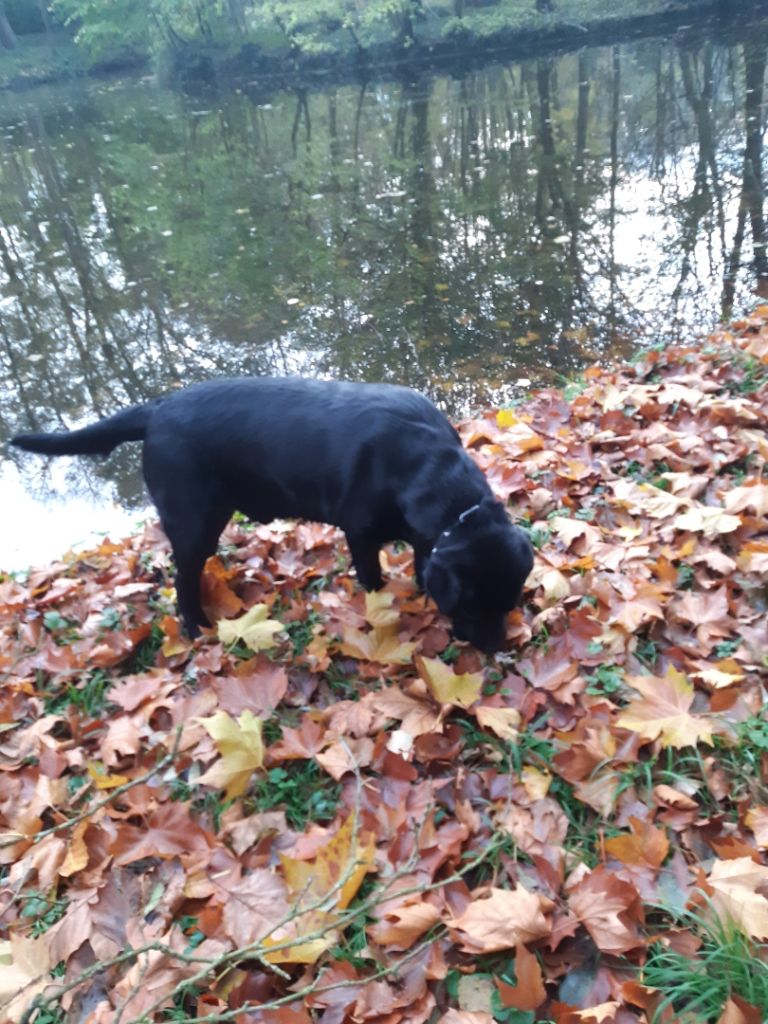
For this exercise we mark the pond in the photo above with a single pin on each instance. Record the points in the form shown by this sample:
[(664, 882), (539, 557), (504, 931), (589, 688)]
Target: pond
[(472, 235)]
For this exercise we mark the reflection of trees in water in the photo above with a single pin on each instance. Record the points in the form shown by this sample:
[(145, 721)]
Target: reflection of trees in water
[(454, 234)]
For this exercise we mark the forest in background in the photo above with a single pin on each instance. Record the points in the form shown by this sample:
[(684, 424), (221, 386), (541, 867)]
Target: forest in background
[(198, 35)]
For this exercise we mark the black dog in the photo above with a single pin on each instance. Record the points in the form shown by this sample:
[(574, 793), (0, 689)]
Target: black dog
[(376, 460)]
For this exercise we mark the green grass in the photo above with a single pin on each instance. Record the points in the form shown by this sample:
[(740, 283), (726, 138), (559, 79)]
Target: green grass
[(304, 791), (728, 963), (89, 695)]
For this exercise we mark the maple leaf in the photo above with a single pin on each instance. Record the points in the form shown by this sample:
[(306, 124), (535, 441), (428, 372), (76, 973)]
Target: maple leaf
[(101, 779), (645, 844), (254, 906), (258, 685), (529, 992), (719, 674), (401, 926), (255, 629), (739, 1011), (24, 967), (242, 751), (756, 819), (77, 851), (417, 716), (346, 755), (381, 644), (753, 494), (738, 894), (753, 557), (535, 781), (609, 908), (505, 722), (502, 919), (555, 586), (453, 1016), (331, 879), (707, 519), (167, 832), (653, 501), (379, 610), (447, 686), (664, 711), (708, 612)]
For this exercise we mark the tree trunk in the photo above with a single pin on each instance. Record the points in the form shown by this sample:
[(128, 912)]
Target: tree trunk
[(7, 35)]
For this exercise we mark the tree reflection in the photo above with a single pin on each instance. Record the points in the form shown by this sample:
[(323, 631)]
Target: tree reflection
[(454, 233)]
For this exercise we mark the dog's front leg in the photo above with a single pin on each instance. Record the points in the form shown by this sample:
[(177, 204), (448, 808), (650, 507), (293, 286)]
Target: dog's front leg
[(365, 556), (421, 553)]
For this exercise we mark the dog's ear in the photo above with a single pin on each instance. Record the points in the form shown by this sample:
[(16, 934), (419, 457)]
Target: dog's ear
[(441, 584)]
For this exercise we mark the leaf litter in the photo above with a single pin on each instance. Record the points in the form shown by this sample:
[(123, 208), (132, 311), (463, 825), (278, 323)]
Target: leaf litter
[(326, 810)]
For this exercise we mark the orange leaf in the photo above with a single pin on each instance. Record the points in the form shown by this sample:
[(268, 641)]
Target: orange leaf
[(529, 992), (646, 844)]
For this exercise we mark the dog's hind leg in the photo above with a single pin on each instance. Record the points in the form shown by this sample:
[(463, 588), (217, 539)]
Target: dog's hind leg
[(365, 556), (192, 514), (193, 542)]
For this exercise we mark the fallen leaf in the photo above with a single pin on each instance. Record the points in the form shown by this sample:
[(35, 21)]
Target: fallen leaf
[(529, 992), (242, 751), (739, 894), (663, 712), (448, 687), (502, 919), (256, 630)]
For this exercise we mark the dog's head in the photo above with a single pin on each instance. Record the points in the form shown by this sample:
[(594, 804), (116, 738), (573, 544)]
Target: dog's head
[(475, 574)]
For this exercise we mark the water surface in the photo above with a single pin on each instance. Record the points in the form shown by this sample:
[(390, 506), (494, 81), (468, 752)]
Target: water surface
[(471, 235)]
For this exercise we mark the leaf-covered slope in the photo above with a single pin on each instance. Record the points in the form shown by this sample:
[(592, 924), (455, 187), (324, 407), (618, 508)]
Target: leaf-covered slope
[(330, 812)]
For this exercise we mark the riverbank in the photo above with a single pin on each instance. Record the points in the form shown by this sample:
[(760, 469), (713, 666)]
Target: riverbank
[(326, 44), (329, 803), (47, 59)]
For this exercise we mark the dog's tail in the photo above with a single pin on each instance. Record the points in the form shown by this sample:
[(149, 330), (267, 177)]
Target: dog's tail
[(96, 439)]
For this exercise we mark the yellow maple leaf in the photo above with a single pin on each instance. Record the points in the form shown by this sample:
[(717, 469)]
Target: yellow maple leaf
[(379, 610), (505, 722), (664, 711), (255, 629), (707, 519), (535, 781), (241, 747), (381, 644), (101, 779), (506, 418), (446, 686), (328, 884)]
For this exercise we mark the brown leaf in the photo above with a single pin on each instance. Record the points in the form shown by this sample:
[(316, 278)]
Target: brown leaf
[(500, 920), (610, 910), (529, 992)]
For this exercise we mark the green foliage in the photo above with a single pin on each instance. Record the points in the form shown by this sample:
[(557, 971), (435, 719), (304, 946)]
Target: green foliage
[(304, 792), (43, 911), (306, 28), (728, 963), (88, 696), (605, 682)]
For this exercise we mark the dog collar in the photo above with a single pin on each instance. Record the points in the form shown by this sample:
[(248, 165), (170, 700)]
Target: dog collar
[(463, 517)]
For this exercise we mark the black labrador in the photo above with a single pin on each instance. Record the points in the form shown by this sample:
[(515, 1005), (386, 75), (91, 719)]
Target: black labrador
[(377, 460)]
